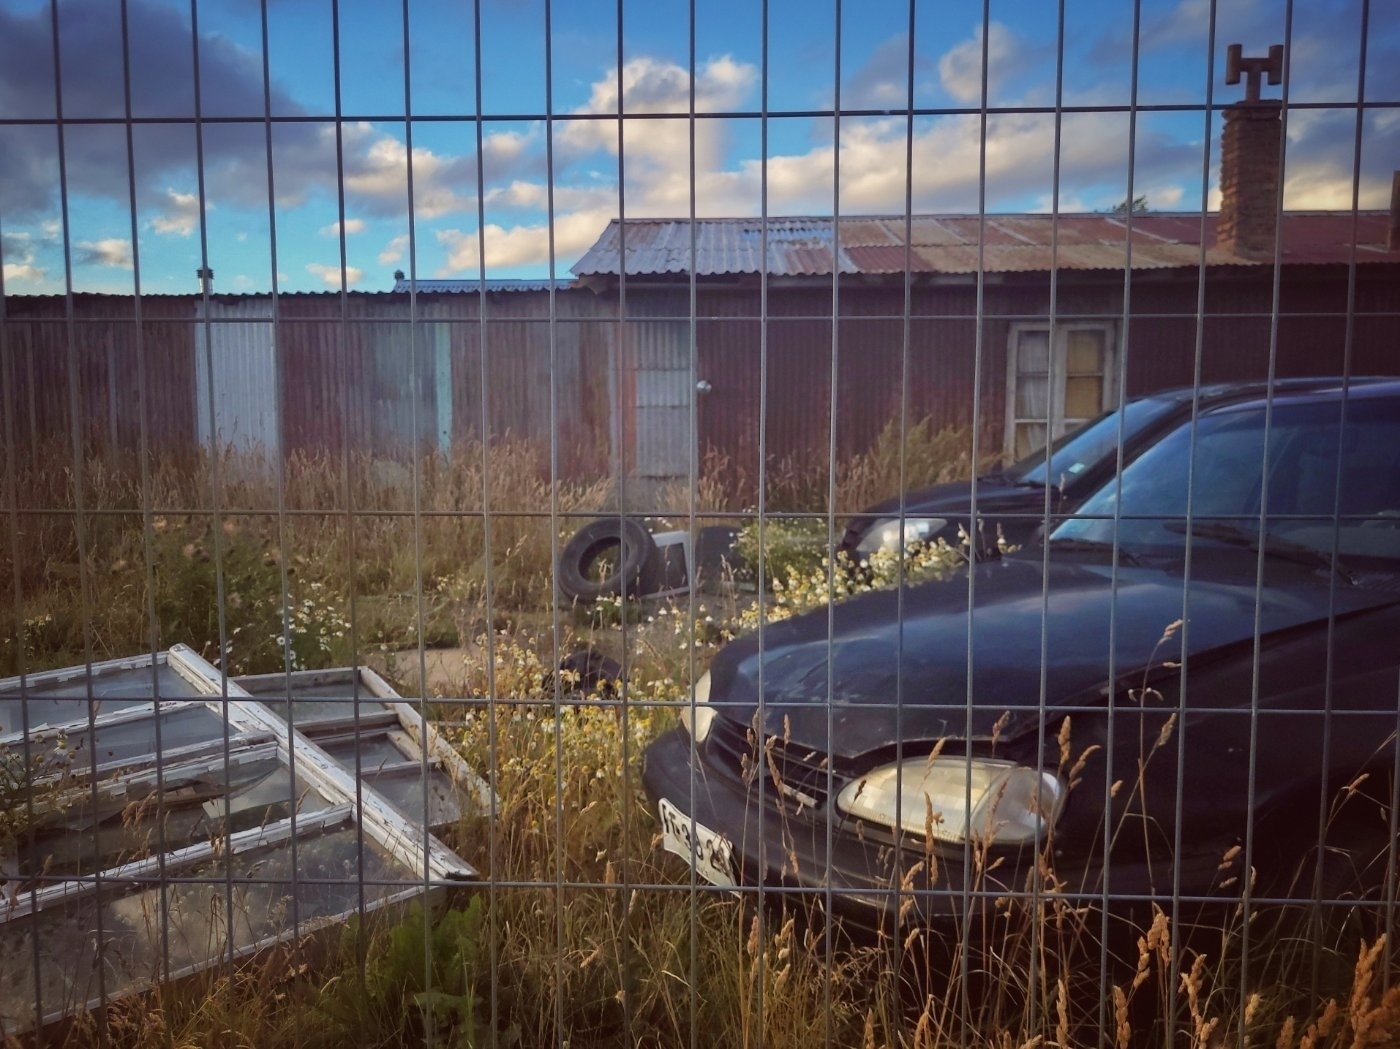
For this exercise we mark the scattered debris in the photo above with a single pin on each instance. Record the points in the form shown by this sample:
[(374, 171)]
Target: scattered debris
[(194, 819), (620, 557)]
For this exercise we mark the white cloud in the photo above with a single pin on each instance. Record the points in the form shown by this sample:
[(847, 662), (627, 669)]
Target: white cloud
[(23, 272), (882, 81), (376, 175), (574, 233), (110, 251), (330, 275), (18, 256), (960, 70), (179, 215), (651, 86), (393, 251), (351, 227), (673, 162)]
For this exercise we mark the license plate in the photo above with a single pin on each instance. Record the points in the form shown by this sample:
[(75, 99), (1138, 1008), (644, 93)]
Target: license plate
[(708, 851)]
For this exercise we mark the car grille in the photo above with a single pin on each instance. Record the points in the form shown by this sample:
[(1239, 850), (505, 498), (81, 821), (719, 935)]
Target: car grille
[(800, 773)]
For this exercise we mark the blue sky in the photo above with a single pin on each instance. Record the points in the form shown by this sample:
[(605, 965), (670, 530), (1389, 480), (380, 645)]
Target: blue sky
[(343, 195)]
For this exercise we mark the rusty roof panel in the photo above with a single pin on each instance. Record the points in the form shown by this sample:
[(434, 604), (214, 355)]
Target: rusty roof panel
[(873, 233), (935, 233), (890, 258), (962, 244)]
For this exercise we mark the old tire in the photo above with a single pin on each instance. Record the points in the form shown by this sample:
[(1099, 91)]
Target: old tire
[(605, 558)]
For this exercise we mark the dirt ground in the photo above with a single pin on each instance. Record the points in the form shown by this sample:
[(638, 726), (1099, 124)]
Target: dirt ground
[(443, 670)]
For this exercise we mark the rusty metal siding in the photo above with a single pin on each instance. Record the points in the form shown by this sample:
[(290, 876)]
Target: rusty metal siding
[(356, 377), (1237, 328), (101, 357), (966, 244), (543, 383), (611, 393), (792, 424)]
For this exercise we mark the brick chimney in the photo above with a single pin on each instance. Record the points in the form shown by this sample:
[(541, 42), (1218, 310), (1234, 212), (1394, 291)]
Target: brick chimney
[(1249, 159)]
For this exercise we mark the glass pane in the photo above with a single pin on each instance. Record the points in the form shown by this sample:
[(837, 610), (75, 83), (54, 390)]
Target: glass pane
[(1033, 352), (405, 792), (60, 702), (319, 698), (375, 752), (404, 787), (1032, 398), (136, 739), (1029, 437), (312, 712), (1085, 353), (1083, 398), (84, 830), (120, 936)]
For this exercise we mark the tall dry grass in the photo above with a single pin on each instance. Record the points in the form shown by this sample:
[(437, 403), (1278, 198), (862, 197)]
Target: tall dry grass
[(202, 547), (902, 458), (588, 934)]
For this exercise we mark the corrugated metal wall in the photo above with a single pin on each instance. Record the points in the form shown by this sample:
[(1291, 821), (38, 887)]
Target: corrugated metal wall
[(353, 374), (236, 374), (873, 386), (657, 357), (97, 355), (517, 376), (609, 393)]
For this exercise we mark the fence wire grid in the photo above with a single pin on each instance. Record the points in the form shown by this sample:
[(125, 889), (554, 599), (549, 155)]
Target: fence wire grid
[(681, 524)]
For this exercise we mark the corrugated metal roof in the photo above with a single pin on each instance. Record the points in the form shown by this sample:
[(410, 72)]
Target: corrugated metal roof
[(469, 287), (965, 244)]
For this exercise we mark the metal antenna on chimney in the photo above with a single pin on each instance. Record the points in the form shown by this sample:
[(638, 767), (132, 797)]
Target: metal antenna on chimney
[(1252, 68)]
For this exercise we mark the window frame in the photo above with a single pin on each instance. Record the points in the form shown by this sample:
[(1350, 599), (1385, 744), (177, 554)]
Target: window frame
[(1057, 335), (251, 733)]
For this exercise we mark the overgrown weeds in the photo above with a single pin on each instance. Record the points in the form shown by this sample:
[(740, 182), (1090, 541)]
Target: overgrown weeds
[(240, 560), (584, 932)]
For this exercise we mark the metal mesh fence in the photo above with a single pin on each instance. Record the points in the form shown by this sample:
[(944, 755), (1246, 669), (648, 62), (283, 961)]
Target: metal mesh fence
[(674, 523)]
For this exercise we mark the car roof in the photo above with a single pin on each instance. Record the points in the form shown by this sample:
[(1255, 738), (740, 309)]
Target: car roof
[(1213, 393), (1307, 391)]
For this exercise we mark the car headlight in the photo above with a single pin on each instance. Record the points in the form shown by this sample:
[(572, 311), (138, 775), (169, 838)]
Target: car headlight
[(978, 799), (698, 714), (898, 534)]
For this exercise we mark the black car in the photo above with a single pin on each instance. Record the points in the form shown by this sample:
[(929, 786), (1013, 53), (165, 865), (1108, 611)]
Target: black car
[(1199, 671), (1013, 501)]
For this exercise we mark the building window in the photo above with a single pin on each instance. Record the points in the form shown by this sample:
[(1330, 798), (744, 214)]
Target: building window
[(1057, 380)]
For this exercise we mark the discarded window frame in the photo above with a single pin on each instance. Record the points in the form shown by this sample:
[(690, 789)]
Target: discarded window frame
[(170, 820)]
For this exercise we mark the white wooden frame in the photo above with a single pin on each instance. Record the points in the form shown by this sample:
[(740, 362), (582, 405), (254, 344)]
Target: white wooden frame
[(252, 733), (1057, 333)]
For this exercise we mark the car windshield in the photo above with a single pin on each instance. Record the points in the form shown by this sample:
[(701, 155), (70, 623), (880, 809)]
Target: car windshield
[(1303, 476), (1096, 440)]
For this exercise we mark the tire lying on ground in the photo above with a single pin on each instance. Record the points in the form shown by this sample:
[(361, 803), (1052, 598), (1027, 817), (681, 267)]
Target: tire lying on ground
[(605, 558)]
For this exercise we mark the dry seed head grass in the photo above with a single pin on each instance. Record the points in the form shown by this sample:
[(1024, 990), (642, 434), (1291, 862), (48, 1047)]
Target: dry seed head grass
[(582, 931)]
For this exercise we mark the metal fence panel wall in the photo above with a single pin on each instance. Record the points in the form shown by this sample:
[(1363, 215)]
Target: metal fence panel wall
[(680, 524), (104, 335)]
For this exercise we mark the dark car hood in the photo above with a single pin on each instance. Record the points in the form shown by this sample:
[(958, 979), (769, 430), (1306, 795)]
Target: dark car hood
[(916, 647), (995, 492), (1017, 507)]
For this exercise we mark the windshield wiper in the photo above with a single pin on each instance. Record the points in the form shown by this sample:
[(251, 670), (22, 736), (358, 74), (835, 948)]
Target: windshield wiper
[(1277, 547), (1096, 546)]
